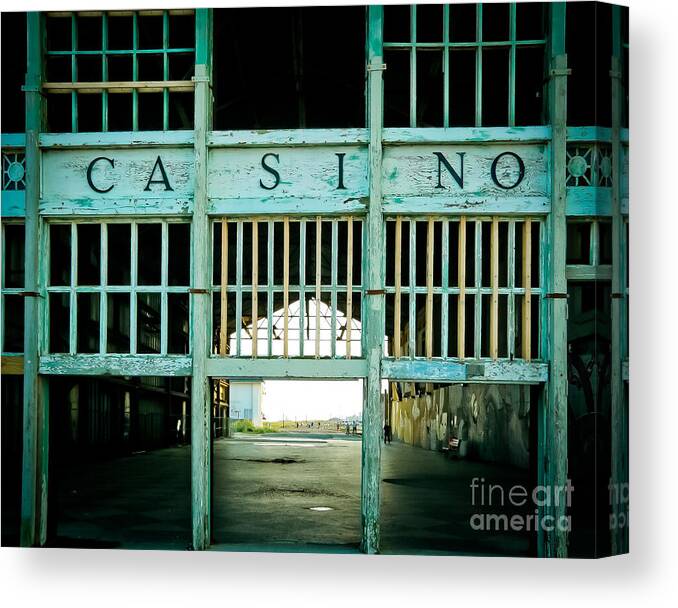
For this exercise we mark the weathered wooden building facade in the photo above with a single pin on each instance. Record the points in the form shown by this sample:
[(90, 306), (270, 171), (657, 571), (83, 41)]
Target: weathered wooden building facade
[(453, 177)]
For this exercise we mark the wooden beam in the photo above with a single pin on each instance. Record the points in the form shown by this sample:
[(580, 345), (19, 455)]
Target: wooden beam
[(373, 415), (619, 414), (35, 465), (200, 305), (552, 423), (12, 365), (120, 87)]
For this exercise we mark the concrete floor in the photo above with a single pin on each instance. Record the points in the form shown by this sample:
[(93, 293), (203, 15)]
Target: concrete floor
[(264, 487)]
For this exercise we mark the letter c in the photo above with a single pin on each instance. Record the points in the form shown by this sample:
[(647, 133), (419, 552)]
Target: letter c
[(89, 174)]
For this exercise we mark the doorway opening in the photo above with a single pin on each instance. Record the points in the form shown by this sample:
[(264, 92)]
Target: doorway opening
[(286, 464), (459, 469), (120, 462)]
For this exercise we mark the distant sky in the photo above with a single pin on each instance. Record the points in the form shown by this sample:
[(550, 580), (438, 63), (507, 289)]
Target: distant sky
[(313, 399)]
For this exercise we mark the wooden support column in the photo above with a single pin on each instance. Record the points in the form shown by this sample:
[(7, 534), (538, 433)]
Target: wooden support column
[(619, 416), (552, 430), (373, 327), (36, 399), (200, 305)]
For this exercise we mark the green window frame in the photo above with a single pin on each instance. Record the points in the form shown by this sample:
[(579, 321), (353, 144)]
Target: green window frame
[(513, 43), (69, 67)]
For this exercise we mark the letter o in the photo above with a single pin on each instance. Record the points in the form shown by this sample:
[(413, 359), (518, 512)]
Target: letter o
[(521, 170)]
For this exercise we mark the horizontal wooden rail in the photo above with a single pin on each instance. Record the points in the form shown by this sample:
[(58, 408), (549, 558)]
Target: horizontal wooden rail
[(478, 371), (116, 365), (145, 86), (316, 369)]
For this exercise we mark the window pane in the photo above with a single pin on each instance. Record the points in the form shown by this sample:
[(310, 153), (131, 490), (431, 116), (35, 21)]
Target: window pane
[(14, 255), (60, 254), (495, 86), (119, 253), (495, 22), (13, 334), (118, 338), (177, 323), (59, 322), (462, 88), (429, 89), (150, 253), (88, 323), (529, 85), (578, 243), (89, 254), (148, 322), (179, 254)]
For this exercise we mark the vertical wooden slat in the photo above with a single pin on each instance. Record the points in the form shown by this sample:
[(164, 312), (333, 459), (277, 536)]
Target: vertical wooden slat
[(461, 305), (397, 333), (74, 72), (478, 323), (302, 285), (164, 270), (446, 65), (318, 281), (527, 285), (429, 288), (349, 284), (103, 298), (104, 71), (135, 71), (223, 294), (413, 65), (238, 287), (512, 66), (412, 337), (269, 287), (73, 319), (333, 294), (165, 69), (511, 284), (594, 243), (479, 65), (286, 284), (134, 273), (494, 282), (445, 285), (255, 282)]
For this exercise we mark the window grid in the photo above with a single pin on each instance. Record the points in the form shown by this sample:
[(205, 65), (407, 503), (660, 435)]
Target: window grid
[(11, 290), (483, 301), (312, 323), (106, 87), (73, 291), (448, 46)]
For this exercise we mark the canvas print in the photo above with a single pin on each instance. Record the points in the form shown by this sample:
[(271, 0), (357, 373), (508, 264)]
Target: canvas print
[(317, 279)]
